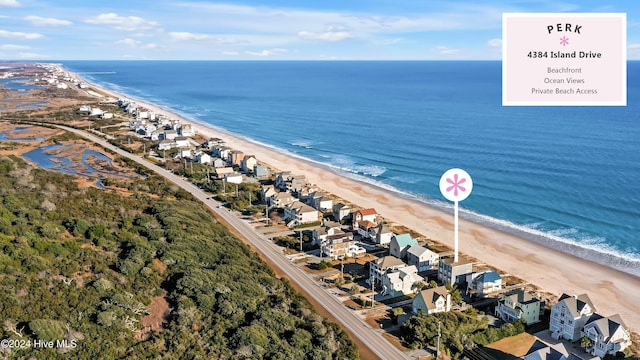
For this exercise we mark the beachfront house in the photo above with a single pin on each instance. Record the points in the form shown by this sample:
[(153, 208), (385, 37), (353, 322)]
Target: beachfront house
[(320, 234), (184, 153), (320, 201), (519, 305), (260, 171), (248, 162), (608, 335), (298, 213), (341, 212), (400, 244), (156, 135), (383, 234), (235, 157), (423, 258), (364, 228), (401, 282), (366, 215), (186, 130), (482, 284), (569, 316), (379, 267), (431, 301), (453, 273)]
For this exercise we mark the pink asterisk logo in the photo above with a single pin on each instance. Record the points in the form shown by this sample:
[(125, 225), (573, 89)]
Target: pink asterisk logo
[(564, 41), (455, 184)]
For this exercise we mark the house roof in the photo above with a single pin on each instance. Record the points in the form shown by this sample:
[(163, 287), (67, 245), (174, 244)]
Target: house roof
[(181, 138), (301, 207), (489, 276), (404, 240), (366, 212), (419, 250), (366, 224), (430, 296), (542, 351), (388, 261), (519, 296), (340, 206), (605, 326), (283, 195), (575, 304)]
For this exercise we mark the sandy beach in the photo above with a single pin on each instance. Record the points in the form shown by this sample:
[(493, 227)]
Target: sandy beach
[(612, 291)]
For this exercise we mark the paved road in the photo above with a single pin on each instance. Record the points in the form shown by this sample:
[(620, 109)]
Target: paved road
[(370, 337)]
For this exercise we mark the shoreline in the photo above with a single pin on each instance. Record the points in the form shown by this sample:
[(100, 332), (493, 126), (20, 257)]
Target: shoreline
[(549, 269)]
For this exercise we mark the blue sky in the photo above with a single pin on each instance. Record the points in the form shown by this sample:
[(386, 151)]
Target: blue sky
[(282, 30)]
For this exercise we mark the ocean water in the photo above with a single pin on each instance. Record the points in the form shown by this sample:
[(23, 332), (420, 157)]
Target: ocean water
[(568, 177)]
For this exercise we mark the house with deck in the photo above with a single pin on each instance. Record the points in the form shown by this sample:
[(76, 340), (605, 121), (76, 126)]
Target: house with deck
[(260, 171), (401, 282), (235, 157), (341, 211), (383, 235), (569, 316), (248, 162), (519, 305), (298, 213), (340, 245), (366, 215), (453, 273), (423, 258), (327, 228), (266, 192), (431, 301), (400, 244), (379, 267), (609, 335), (218, 163), (281, 199), (482, 284), (364, 228)]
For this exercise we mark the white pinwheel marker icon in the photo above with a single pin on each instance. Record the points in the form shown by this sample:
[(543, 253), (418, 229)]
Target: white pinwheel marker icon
[(455, 185)]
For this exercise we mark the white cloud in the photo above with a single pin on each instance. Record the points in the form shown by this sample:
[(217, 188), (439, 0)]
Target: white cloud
[(32, 56), (266, 53), (9, 3), (19, 35), (41, 21), (387, 42), (633, 47), (230, 53), (495, 42), (273, 20), (136, 44), (187, 36), (125, 23), (445, 50), (325, 36), (13, 47)]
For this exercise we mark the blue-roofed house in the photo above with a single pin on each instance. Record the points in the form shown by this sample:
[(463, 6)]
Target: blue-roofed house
[(400, 244), (483, 283)]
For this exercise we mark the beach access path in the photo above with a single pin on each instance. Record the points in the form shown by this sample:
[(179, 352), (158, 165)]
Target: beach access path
[(370, 337)]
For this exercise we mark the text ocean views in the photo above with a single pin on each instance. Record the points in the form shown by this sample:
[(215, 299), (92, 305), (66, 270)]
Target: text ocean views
[(568, 177)]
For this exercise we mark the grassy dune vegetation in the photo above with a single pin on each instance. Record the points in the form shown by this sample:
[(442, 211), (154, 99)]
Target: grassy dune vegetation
[(83, 265)]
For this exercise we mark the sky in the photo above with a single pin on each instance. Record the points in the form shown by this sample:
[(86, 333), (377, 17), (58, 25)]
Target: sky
[(282, 30)]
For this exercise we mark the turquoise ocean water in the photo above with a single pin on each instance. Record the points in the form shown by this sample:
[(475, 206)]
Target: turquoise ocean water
[(568, 177)]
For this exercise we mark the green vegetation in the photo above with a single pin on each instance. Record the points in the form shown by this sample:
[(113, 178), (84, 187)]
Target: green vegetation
[(460, 331), (84, 264)]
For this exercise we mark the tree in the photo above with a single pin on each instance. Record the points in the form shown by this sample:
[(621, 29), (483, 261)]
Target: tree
[(456, 295), (585, 342)]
